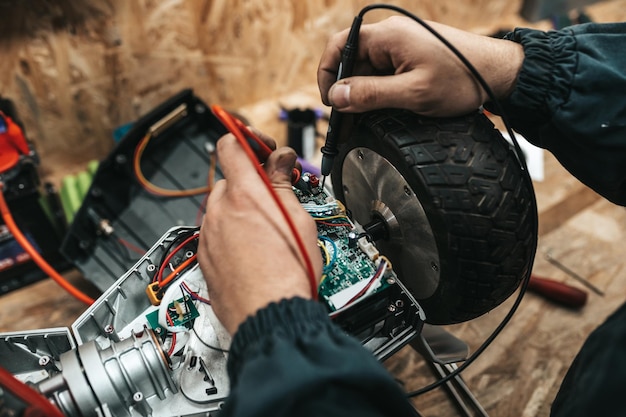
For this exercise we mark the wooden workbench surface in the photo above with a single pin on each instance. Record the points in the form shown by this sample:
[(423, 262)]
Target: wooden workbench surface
[(521, 372)]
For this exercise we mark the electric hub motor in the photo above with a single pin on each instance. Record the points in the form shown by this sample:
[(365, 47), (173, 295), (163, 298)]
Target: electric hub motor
[(447, 201)]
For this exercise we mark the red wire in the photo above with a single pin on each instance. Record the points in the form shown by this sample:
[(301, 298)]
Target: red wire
[(166, 261), (35, 256), (237, 128), (364, 289), (131, 246), (28, 395), (171, 323), (334, 224), (195, 295)]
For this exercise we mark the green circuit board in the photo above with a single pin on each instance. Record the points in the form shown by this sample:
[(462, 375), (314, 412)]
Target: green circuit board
[(182, 312), (352, 257)]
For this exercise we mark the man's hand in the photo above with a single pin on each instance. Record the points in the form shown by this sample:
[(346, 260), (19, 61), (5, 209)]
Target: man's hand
[(246, 252), (402, 65)]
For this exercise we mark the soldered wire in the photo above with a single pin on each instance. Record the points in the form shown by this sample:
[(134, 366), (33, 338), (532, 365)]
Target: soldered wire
[(170, 351), (314, 208), (324, 218), (380, 271), (321, 216), (322, 279), (170, 296), (325, 251)]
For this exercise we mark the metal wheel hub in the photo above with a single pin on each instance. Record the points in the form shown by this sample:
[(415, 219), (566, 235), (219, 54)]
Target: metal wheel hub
[(374, 189)]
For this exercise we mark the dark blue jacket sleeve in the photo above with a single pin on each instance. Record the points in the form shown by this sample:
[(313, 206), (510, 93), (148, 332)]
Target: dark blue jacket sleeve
[(570, 98), (291, 360)]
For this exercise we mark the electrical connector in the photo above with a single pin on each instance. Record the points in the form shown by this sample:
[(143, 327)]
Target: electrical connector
[(154, 293), (368, 248)]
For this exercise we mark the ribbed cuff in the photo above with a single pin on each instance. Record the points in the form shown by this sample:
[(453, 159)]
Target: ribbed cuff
[(289, 319), (544, 81)]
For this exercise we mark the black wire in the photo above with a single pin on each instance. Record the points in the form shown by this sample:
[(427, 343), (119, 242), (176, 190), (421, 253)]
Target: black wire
[(206, 344), (519, 155), (181, 236)]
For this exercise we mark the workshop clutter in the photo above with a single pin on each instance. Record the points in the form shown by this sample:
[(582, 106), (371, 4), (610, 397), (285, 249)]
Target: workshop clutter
[(33, 205)]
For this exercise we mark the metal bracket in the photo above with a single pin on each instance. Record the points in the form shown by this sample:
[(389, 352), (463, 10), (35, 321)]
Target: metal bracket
[(442, 351)]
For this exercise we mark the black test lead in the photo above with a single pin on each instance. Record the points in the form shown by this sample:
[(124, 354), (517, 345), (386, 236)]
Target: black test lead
[(348, 56)]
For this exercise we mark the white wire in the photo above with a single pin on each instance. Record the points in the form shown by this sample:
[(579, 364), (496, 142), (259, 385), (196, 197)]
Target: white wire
[(377, 285), (369, 290), (323, 208)]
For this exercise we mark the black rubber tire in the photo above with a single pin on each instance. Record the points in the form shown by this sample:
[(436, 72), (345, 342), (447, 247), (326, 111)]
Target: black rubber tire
[(479, 203)]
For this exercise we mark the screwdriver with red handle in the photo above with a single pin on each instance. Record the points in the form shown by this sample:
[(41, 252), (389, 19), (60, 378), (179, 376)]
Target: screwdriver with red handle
[(557, 291)]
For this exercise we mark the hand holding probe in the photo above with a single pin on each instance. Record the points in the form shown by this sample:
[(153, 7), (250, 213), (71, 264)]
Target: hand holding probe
[(348, 57), (233, 124), (255, 148), (260, 148)]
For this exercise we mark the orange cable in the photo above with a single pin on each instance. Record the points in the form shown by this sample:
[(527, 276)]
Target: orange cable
[(155, 189), (177, 270), (35, 256)]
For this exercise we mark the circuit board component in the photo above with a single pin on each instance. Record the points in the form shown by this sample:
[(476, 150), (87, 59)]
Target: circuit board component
[(350, 261), (181, 312)]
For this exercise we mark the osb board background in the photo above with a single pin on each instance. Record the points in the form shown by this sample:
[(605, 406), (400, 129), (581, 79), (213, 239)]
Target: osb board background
[(78, 69)]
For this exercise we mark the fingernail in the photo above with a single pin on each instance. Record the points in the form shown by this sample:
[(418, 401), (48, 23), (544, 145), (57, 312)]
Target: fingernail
[(340, 96)]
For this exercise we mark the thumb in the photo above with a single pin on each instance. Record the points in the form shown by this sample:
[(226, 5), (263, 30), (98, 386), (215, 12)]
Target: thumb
[(279, 167), (365, 93)]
